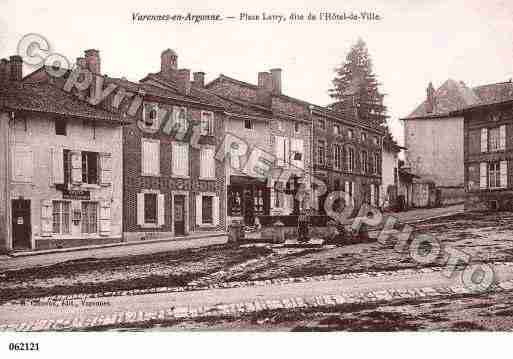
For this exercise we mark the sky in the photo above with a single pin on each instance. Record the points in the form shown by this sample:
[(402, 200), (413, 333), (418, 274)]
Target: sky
[(415, 41)]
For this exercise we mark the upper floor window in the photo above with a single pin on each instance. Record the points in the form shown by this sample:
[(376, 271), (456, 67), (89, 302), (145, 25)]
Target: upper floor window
[(376, 140), (376, 163), (60, 127), (279, 125), (282, 150), (150, 157), (207, 123), (321, 152), (493, 139), (90, 167), (207, 163), (248, 124), (336, 129), (337, 157), (297, 127), (350, 159), (364, 162), (321, 123), (180, 123), (350, 134), (150, 116), (364, 137), (180, 157)]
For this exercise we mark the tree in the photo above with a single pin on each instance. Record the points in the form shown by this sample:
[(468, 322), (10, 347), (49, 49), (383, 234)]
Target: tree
[(355, 88)]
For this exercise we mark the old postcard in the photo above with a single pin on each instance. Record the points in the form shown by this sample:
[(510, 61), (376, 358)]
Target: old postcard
[(179, 166)]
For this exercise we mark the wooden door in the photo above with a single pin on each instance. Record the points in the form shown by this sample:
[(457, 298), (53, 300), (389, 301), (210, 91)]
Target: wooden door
[(179, 215), (21, 228)]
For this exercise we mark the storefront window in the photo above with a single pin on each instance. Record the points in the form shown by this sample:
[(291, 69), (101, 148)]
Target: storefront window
[(207, 210), (89, 217), (61, 215)]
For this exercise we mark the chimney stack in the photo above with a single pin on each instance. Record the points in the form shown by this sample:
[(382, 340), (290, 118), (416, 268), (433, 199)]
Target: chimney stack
[(264, 89), (183, 81), (430, 100), (168, 64), (4, 70), (92, 59), (276, 81), (16, 68), (199, 79)]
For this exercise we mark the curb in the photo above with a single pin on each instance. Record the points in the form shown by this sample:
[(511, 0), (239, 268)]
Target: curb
[(243, 308)]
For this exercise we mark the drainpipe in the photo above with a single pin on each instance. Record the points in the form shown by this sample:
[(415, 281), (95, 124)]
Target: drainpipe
[(312, 154)]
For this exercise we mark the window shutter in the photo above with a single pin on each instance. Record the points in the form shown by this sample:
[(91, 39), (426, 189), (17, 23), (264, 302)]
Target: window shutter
[(504, 174), (372, 195), (198, 209), (105, 218), (502, 137), (207, 163), (215, 210), (76, 168), (347, 194), (483, 175), (180, 159), (161, 210), (57, 166), (22, 163), (106, 169), (140, 209), (46, 218), (280, 150), (150, 158), (484, 140)]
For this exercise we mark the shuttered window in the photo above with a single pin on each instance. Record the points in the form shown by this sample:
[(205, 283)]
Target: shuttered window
[(484, 140), (350, 159), (207, 163), (150, 208), (180, 158), (89, 217), (483, 175), (207, 123), (61, 217), (150, 159), (207, 209), (22, 163)]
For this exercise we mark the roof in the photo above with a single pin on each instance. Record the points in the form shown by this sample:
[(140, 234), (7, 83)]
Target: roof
[(454, 96), (234, 106), (451, 96), (47, 98), (323, 110)]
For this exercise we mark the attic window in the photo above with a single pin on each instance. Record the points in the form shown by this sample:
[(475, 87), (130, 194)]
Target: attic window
[(248, 124), (60, 127)]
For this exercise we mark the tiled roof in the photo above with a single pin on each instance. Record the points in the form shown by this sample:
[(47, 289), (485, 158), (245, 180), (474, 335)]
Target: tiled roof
[(228, 104), (323, 110), (453, 96), (47, 98)]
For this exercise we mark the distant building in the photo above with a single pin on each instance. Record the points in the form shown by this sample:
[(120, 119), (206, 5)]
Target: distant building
[(488, 148), (61, 167), (389, 172), (433, 135)]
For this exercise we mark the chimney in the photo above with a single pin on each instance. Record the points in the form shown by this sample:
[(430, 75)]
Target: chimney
[(4, 70), (264, 89), (16, 72), (430, 100), (276, 80), (183, 81), (199, 79), (92, 59), (168, 64)]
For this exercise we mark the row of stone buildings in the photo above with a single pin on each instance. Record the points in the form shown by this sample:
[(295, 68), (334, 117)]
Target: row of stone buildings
[(91, 159), (460, 140)]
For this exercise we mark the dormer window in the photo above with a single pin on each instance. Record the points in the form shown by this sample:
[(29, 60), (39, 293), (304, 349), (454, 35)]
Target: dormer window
[(207, 123), (150, 115)]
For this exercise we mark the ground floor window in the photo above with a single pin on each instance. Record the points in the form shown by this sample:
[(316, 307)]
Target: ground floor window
[(494, 175), (89, 217), (207, 210), (150, 208), (61, 217)]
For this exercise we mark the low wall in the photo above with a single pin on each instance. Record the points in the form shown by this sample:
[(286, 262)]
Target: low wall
[(452, 195)]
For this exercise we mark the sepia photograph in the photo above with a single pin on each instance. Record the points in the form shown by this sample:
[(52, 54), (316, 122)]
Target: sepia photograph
[(255, 168)]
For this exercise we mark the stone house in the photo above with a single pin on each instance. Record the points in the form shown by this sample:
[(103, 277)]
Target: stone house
[(61, 172), (336, 152)]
